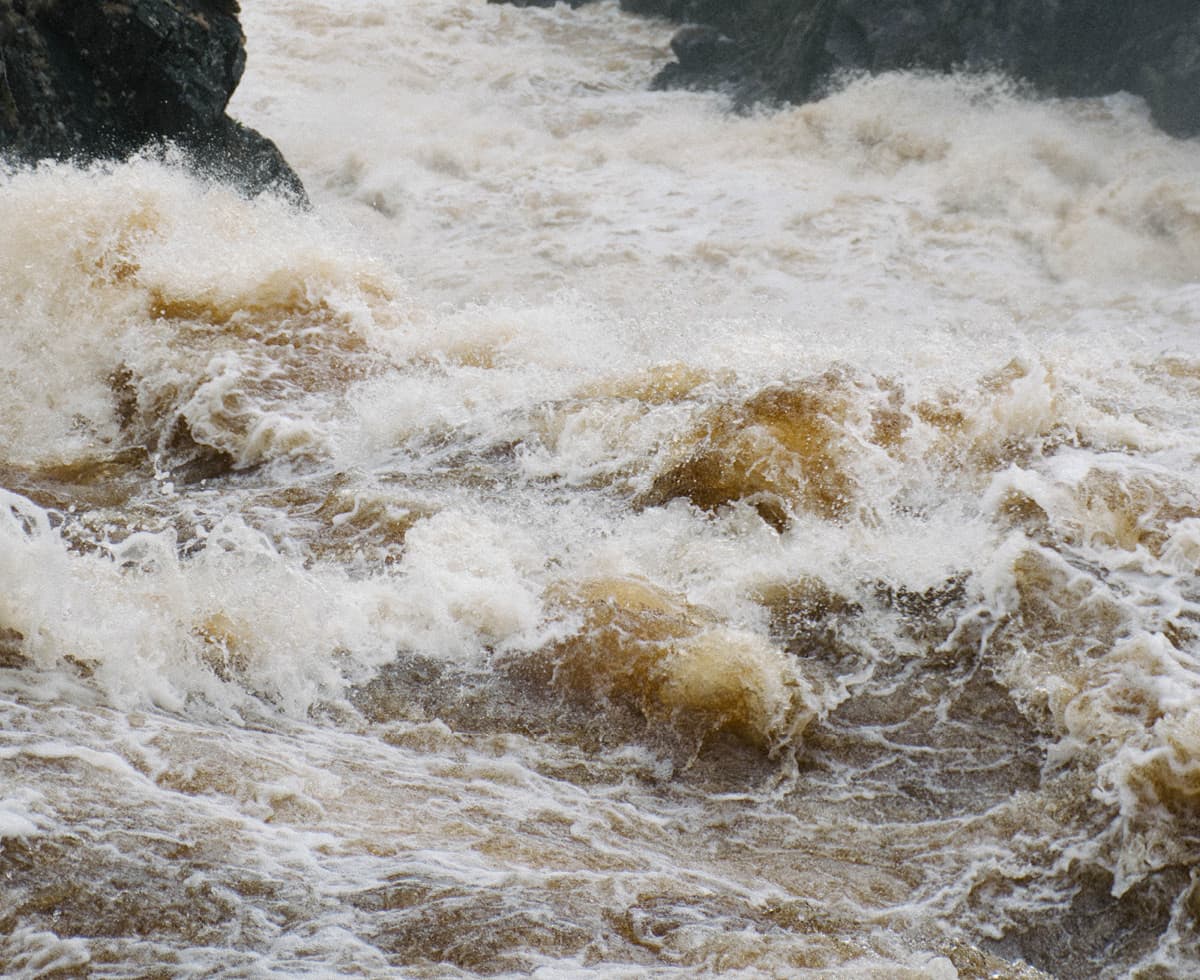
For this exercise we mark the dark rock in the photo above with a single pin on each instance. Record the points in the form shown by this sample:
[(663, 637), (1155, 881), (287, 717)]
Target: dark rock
[(702, 11), (102, 79), (707, 59), (238, 155), (699, 48), (788, 49)]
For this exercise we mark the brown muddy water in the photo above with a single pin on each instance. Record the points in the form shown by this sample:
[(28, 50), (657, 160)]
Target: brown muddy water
[(606, 536)]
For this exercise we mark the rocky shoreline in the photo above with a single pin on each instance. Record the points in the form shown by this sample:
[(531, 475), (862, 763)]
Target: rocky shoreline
[(90, 80), (790, 50)]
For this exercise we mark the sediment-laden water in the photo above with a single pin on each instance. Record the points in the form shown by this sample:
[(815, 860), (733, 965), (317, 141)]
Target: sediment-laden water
[(606, 536)]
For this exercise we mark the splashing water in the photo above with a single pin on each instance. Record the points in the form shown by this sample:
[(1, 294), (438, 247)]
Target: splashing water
[(607, 536)]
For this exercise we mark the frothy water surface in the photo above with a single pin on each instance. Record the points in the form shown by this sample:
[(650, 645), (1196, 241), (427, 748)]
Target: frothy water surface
[(607, 535)]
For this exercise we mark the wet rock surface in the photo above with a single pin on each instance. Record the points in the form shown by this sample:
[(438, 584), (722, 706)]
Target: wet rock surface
[(789, 50), (98, 79)]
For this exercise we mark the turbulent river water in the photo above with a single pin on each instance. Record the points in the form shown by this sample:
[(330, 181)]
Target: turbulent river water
[(607, 535)]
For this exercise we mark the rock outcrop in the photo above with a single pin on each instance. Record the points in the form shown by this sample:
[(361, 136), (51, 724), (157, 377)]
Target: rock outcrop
[(102, 79), (788, 50)]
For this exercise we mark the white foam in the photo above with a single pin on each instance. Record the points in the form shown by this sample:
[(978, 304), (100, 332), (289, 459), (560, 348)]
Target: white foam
[(510, 235)]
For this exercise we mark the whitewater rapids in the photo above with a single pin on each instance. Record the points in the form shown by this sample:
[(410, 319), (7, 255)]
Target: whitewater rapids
[(606, 536)]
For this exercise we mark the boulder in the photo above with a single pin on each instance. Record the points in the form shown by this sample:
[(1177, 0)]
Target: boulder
[(101, 79), (706, 59), (702, 47), (787, 50)]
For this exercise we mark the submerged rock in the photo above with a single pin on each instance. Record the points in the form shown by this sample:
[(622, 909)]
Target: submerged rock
[(787, 50), (101, 79)]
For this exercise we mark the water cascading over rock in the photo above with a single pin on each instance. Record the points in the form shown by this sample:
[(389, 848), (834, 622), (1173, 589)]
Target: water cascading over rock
[(789, 50)]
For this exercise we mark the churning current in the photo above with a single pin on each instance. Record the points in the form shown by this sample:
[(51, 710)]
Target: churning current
[(607, 536)]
